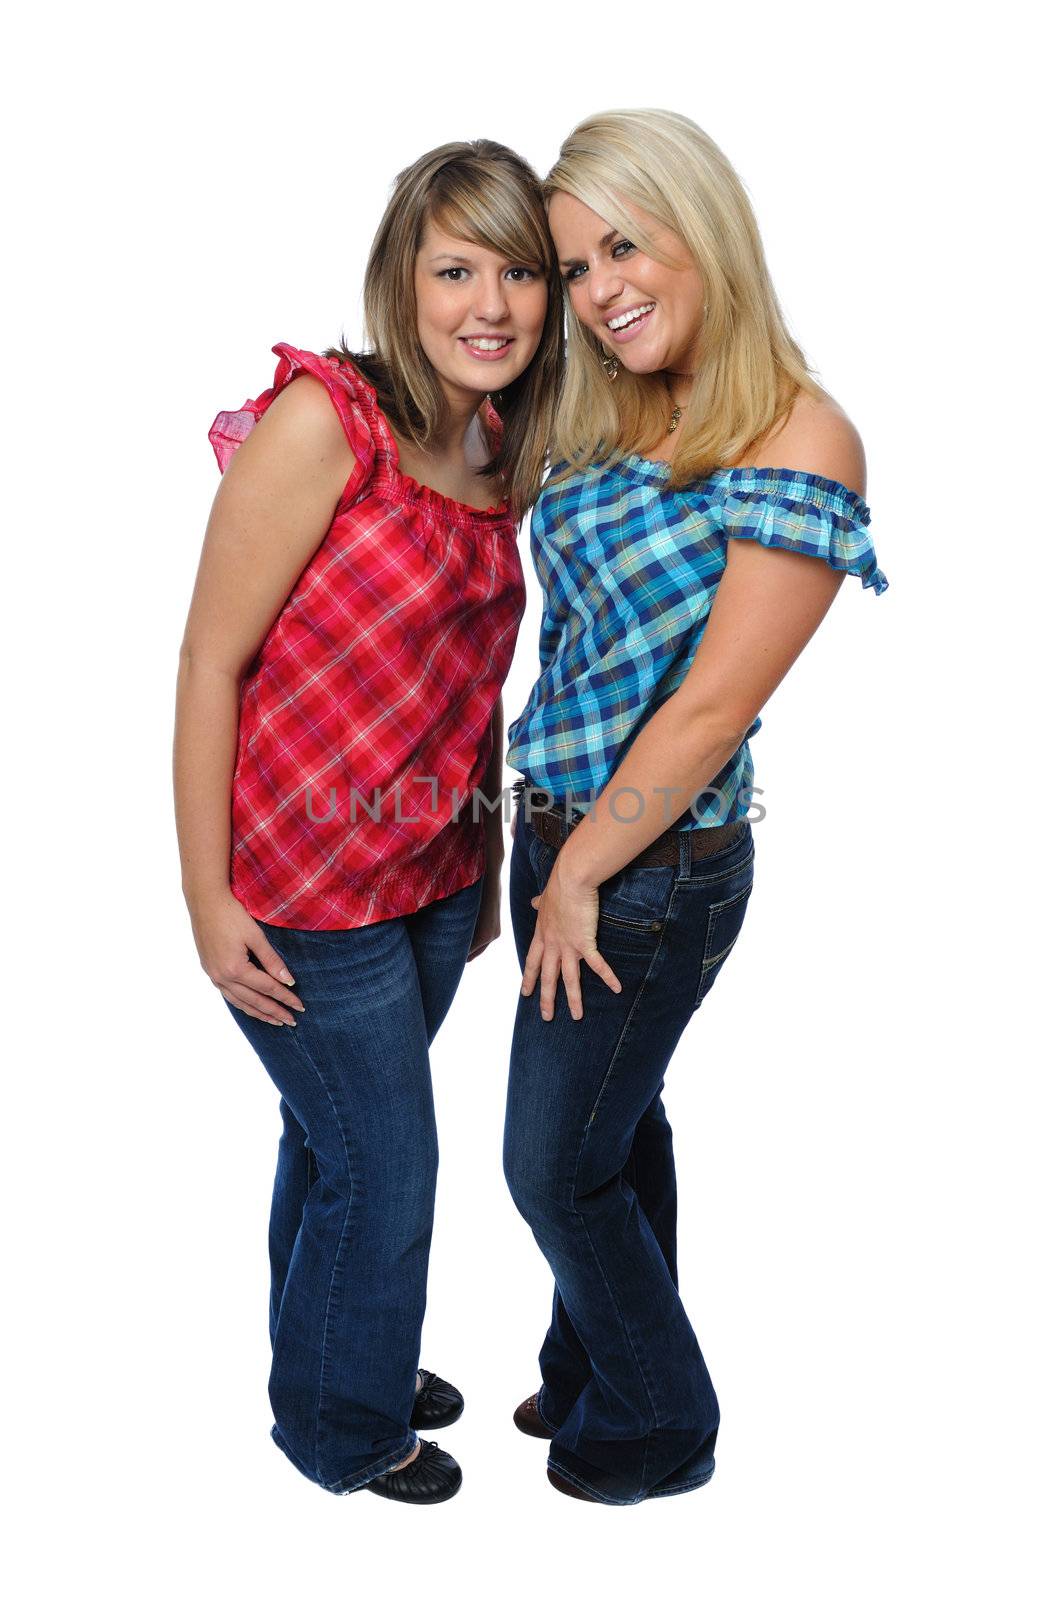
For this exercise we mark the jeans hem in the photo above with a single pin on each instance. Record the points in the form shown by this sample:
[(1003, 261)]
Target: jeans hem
[(661, 1493), (354, 1480), (681, 1488), (589, 1488)]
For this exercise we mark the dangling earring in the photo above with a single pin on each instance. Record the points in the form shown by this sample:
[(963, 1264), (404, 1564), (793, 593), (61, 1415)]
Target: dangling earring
[(610, 366)]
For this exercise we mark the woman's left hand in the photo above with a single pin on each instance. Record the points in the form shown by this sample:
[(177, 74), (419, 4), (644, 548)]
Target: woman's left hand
[(566, 933)]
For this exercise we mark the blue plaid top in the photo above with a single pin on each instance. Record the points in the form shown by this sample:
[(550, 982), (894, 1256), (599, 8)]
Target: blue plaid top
[(629, 569)]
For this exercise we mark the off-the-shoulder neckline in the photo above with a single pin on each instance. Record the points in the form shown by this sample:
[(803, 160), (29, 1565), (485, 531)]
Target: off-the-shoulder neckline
[(752, 478), (411, 487)]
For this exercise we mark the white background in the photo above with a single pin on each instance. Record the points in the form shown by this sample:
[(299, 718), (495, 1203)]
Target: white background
[(865, 1109)]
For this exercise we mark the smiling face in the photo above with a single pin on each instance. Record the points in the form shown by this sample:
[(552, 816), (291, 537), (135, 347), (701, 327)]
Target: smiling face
[(479, 316), (648, 315)]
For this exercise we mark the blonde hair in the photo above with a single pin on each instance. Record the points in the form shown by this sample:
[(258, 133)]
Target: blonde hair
[(483, 192), (749, 370)]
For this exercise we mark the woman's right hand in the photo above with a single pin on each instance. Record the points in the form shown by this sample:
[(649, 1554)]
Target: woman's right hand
[(224, 933)]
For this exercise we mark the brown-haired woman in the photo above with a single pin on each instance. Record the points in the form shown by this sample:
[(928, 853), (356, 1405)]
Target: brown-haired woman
[(338, 732)]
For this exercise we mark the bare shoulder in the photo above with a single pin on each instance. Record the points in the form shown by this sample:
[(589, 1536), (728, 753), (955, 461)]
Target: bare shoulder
[(303, 413), (299, 438), (817, 437)]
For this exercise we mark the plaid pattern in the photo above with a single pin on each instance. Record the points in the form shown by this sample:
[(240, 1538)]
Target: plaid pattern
[(629, 570), (379, 675)]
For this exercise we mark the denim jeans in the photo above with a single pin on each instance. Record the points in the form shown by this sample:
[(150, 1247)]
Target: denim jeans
[(351, 1219), (588, 1160)]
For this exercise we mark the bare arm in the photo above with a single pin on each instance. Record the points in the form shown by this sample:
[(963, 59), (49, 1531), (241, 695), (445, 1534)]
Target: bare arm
[(272, 509), (767, 606)]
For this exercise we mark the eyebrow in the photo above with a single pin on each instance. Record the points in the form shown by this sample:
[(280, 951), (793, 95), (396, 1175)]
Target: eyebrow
[(606, 239), (447, 256)]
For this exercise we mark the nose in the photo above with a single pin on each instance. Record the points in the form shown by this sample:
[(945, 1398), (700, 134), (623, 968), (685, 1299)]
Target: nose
[(490, 302), (603, 283)]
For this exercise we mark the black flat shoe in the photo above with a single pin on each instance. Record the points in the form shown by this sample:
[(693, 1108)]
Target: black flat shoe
[(431, 1476), (529, 1421), (438, 1403)]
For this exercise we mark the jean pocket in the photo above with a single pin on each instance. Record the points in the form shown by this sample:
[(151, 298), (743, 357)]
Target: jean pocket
[(637, 898), (724, 926)]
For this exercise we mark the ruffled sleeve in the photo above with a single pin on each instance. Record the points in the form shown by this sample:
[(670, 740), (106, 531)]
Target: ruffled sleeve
[(351, 396), (803, 512)]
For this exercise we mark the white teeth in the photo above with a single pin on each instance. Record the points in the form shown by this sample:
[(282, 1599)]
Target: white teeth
[(487, 344), (629, 316)]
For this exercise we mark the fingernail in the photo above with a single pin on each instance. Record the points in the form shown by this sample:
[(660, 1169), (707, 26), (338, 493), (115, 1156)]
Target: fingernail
[(286, 976)]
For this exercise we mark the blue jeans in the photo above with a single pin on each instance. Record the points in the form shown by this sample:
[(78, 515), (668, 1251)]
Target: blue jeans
[(588, 1160), (351, 1220)]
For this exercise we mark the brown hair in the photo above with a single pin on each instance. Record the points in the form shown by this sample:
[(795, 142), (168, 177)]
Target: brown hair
[(483, 192)]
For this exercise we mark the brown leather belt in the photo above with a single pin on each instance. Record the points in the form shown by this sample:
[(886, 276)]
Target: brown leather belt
[(553, 828)]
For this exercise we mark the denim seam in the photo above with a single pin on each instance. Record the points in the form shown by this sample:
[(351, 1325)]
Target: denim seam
[(631, 1345), (665, 919), (710, 880), (579, 1157), (732, 900), (606, 1499), (630, 922), (709, 964), (633, 1158), (339, 1247), (714, 961), (680, 1488)]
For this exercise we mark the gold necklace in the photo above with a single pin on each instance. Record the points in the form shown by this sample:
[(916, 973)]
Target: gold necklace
[(677, 413)]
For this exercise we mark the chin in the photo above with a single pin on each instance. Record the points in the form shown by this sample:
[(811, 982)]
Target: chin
[(645, 366), (468, 380)]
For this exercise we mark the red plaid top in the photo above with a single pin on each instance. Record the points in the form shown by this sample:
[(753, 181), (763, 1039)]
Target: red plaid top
[(365, 717)]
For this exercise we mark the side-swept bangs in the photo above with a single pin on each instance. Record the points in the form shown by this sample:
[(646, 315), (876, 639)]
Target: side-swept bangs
[(485, 193)]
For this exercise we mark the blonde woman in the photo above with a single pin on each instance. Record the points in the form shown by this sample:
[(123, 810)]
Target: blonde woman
[(706, 505), (338, 716)]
